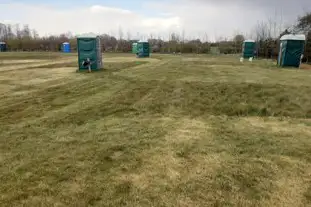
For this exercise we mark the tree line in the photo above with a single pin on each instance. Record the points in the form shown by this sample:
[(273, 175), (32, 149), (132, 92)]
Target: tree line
[(27, 39), (266, 33)]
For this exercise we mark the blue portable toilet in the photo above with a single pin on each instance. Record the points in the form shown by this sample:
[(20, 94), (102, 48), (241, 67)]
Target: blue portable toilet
[(291, 49), (66, 47), (2, 47)]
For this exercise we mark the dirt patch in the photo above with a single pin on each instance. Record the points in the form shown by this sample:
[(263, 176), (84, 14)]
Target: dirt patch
[(36, 65), (305, 66)]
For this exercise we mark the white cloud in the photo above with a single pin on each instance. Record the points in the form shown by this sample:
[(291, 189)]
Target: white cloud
[(162, 23), (98, 19), (196, 18), (101, 9), (200, 18)]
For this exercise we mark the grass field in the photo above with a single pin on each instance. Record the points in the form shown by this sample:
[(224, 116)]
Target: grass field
[(184, 131)]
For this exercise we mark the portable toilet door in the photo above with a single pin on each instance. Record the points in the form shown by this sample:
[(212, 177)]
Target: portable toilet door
[(248, 49), (291, 49), (143, 49), (281, 52), (2, 47), (66, 47), (134, 48)]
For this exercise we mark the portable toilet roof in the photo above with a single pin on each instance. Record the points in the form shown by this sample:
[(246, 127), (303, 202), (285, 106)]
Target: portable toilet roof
[(2, 43), (143, 41), (299, 37), (66, 43), (88, 35), (249, 41)]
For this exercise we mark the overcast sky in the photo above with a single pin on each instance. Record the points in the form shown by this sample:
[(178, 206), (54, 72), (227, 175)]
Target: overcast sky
[(195, 17)]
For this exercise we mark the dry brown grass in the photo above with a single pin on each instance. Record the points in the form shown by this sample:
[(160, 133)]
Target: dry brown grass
[(166, 131)]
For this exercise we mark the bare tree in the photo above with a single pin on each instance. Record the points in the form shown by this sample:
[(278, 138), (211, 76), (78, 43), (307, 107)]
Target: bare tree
[(120, 39), (26, 33), (18, 31), (261, 31), (120, 33), (129, 36), (3, 32), (182, 43), (10, 32), (238, 40), (275, 25), (304, 23), (35, 34)]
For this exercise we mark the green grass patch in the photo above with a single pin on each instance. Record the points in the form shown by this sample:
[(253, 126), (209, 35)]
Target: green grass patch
[(175, 132)]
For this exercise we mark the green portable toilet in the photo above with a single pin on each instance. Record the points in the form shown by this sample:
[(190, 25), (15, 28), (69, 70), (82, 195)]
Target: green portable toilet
[(89, 47), (291, 49), (143, 49), (214, 50), (249, 47), (134, 48)]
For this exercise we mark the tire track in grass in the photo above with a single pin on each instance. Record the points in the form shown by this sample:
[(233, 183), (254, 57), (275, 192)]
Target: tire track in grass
[(35, 65)]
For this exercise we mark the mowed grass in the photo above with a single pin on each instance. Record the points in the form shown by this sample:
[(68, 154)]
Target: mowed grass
[(163, 131)]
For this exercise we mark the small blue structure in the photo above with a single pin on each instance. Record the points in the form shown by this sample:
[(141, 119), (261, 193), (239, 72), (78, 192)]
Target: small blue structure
[(66, 47), (2, 47)]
